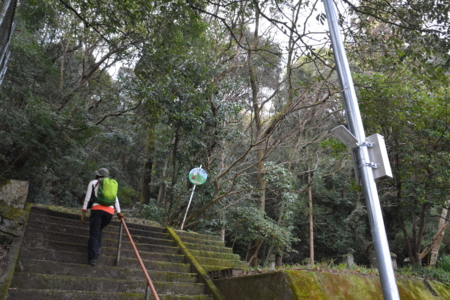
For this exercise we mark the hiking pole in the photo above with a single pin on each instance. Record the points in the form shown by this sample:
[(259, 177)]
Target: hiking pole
[(187, 209)]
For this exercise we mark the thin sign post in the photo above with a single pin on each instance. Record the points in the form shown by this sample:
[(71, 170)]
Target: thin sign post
[(197, 176)]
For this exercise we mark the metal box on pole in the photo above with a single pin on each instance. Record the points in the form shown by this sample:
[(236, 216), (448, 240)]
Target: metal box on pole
[(378, 155)]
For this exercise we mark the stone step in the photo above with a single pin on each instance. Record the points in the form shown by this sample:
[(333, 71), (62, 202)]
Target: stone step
[(53, 261), (33, 294), (210, 248), (73, 283), (193, 235), (204, 261), (44, 240), (104, 260), (199, 240), (71, 269), (210, 254), (127, 252), (37, 234), (74, 219), (56, 224)]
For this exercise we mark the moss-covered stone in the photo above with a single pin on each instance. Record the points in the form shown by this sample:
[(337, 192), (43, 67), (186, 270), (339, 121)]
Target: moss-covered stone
[(6, 277), (12, 223), (304, 285), (197, 267), (4, 182), (299, 284)]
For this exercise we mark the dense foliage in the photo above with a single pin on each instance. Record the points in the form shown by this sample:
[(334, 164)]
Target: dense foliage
[(247, 90)]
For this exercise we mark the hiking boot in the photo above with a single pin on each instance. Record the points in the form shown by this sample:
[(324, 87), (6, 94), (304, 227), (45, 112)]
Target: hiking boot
[(92, 262)]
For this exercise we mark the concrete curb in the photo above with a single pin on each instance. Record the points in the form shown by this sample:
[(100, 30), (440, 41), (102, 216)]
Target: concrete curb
[(201, 272)]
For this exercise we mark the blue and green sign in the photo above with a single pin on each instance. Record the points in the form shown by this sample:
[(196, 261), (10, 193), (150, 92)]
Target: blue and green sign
[(198, 176)]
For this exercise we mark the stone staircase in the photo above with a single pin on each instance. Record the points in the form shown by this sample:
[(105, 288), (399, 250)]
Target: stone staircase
[(52, 263)]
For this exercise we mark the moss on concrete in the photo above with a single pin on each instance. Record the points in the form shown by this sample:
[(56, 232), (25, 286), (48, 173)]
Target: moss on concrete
[(443, 290), (304, 285), (6, 278), (4, 181), (201, 272), (299, 284), (14, 214)]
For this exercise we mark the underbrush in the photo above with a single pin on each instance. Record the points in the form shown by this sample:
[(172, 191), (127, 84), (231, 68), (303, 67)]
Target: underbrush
[(428, 273)]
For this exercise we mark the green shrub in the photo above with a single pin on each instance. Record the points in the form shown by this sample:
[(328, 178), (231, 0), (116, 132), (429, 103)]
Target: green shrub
[(125, 195), (444, 263), (153, 212), (429, 273)]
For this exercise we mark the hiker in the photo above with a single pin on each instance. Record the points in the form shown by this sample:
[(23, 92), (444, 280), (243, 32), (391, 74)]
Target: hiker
[(101, 215)]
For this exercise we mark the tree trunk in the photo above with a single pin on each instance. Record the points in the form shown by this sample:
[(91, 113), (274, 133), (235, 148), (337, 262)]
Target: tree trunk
[(420, 235), (437, 246), (256, 244), (174, 174), (162, 185), (148, 168), (407, 243)]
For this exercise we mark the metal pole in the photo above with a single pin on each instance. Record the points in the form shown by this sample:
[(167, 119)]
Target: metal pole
[(147, 292), (387, 276), (119, 244), (187, 209)]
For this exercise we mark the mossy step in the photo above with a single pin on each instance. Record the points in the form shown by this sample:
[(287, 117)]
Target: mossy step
[(133, 226), (73, 283), (210, 254), (37, 234), (33, 294), (109, 251), (210, 248), (58, 225), (70, 269), (104, 260), (196, 240), (220, 262), (190, 234), (209, 268)]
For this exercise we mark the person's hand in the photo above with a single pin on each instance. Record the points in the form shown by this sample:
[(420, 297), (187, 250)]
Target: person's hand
[(120, 216), (83, 217)]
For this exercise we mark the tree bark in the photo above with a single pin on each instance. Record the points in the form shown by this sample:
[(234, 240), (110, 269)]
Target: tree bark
[(437, 246), (408, 245), (256, 244), (148, 168)]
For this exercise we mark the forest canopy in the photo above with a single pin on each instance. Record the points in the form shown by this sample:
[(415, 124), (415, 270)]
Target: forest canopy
[(248, 90)]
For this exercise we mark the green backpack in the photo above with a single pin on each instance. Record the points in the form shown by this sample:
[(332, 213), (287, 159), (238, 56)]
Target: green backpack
[(107, 191)]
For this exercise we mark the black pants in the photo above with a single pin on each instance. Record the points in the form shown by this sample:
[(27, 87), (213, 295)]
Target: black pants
[(97, 221)]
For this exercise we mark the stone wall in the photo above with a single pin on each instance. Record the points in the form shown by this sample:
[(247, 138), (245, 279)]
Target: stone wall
[(13, 193), (13, 218), (299, 284)]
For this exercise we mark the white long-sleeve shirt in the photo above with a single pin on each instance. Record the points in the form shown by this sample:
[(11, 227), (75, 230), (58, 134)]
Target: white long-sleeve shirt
[(109, 209)]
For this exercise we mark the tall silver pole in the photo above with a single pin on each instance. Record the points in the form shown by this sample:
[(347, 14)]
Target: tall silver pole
[(387, 276)]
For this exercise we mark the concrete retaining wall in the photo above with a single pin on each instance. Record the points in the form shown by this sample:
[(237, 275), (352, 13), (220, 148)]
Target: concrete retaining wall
[(297, 284)]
